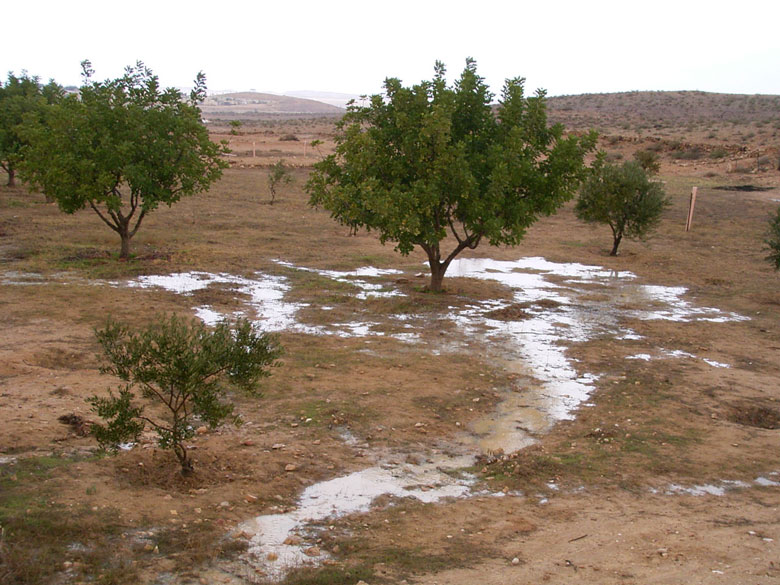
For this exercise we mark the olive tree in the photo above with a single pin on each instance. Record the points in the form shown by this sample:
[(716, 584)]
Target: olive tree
[(624, 198), (122, 147), (436, 164), (183, 369), (21, 98)]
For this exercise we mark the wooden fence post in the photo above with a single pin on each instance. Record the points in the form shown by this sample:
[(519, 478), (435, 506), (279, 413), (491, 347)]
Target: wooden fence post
[(690, 209)]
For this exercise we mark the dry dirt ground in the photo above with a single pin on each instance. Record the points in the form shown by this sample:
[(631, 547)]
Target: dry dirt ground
[(592, 501)]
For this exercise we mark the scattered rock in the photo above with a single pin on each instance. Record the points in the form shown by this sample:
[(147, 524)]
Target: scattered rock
[(313, 551), (224, 504), (515, 561), (293, 540), (290, 467), (202, 430), (272, 557)]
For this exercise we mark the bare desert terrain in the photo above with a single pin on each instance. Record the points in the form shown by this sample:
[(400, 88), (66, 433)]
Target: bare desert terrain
[(557, 415)]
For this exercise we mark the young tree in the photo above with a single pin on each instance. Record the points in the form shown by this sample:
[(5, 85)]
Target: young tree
[(235, 126), (123, 147), (21, 98), (184, 369), (774, 240), (624, 198), (424, 163), (277, 176)]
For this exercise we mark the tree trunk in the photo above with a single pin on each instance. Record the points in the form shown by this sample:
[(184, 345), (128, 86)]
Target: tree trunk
[(185, 462), (11, 177), (124, 252), (437, 277), (615, 244)]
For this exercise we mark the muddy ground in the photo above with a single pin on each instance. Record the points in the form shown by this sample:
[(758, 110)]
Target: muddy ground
[(653, 481)]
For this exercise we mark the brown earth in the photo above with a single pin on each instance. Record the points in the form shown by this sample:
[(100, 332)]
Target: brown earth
[(70, 515)]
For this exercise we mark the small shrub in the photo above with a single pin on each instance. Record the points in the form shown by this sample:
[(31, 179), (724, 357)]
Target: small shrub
[(719, 152), (288, 138), (183, 368), (277, 176), (694, 153), (648, 161), (773, 241)]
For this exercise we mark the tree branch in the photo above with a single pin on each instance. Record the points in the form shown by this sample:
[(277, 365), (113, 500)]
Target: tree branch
[(101, 216)]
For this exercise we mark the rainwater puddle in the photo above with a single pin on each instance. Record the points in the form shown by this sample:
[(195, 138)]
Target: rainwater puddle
[(356, 278), (280, 542), (560, 309), (676, 354), (721, 488)]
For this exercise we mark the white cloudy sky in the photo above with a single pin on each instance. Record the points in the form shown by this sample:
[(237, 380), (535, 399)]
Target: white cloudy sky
[(348, 46)]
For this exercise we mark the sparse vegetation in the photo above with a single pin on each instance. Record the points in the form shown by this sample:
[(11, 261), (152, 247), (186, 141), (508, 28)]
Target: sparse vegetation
[(773, 241)]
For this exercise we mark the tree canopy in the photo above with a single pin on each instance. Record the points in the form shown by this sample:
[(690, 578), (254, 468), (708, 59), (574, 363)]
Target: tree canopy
[(21, 98), (624, 198), (123, 147), (183, 368), (434, 162)]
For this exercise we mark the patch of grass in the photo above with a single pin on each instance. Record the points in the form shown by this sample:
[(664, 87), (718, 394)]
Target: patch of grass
[(752, 415), (197, 544), (719, 152), (39, 537), (694, 153), (334, 575)]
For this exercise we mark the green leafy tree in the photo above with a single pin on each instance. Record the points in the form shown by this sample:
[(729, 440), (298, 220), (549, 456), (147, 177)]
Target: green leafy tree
[(624, 198), (21, 98), (435, 164), (278, 175), (774, 240), (184, 369), (122, 147)]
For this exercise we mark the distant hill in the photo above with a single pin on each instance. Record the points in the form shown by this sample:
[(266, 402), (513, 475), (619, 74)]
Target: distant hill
[(251, 103), (328, 97), (657, 109)]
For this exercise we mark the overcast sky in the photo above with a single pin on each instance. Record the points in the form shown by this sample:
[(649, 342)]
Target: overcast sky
[(566, 47)]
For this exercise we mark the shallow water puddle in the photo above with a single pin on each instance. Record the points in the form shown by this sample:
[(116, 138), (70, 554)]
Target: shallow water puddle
[(278, 542), (719, 489), (676, 353), (558, 314)]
